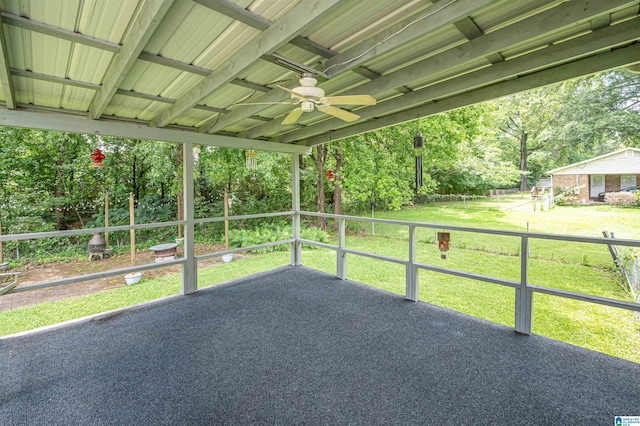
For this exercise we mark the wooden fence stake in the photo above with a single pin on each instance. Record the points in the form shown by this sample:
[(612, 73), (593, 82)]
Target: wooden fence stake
[(226, 222), (106, 217), (132, 232)]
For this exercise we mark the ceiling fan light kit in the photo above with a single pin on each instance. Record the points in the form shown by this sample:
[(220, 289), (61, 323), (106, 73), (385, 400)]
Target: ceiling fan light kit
[(308, 97)]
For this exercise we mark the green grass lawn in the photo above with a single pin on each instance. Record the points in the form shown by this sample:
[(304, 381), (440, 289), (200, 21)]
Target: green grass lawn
[(49, 313), (559, 265)]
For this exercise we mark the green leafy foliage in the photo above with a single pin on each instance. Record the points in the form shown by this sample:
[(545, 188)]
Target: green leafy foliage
[(270, 234)]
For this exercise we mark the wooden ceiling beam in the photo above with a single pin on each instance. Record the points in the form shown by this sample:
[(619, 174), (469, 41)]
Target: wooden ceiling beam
[(5, 71), (146, 23), (288, 27), (597, 63), (597, 41), (79, 124), (436, 16)]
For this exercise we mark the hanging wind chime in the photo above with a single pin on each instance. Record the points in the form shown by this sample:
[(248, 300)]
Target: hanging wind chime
[(418, 143), (97, 156), (251, 158)]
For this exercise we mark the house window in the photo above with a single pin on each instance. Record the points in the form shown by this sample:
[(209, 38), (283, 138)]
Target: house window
[(627, 181)]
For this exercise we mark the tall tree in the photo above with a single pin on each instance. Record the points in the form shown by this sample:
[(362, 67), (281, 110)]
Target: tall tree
[(319, 157), (526, 120), (337, 194)]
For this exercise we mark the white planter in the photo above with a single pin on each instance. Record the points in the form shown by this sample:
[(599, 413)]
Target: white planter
[(133, 278), (227, 258)]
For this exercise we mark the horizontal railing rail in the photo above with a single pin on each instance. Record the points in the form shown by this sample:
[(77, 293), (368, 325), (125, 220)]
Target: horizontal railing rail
[(537, 235), (243, 217), (523, 288), (137, 268), (84, 231), (96, 275), (243, 249)]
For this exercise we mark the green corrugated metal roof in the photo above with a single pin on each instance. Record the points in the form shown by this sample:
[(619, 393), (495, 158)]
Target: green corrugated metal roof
[(408, 46)]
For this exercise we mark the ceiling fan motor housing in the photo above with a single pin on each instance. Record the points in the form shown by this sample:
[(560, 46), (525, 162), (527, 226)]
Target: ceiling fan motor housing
[(308, 89), (306, 106)]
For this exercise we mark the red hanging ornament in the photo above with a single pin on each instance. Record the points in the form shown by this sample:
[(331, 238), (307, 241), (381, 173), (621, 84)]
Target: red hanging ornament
[(97, 156), (330, 175)]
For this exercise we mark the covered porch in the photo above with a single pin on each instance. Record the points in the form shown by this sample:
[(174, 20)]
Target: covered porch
[(295, 345), (298, 346)]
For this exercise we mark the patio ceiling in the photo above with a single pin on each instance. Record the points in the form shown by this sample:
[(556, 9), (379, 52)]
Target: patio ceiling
[(176, 70)]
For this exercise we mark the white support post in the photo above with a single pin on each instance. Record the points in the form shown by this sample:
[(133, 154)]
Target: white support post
[(296, 245), (189, 269), (412, 290), (341, 262), (524, 296)]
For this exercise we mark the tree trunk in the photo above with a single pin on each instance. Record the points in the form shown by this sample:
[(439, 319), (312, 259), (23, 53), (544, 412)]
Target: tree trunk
[(61, 223), (524, 186), (337, 195), (319, 159)]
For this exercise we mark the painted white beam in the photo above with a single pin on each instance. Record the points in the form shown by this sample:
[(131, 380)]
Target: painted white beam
[(54, 79), (92, 86), (296, 245), (76, 124), (275, 95), (288, 27), (602, 62), (189, 268), (50, 30), (5, 72), (183, 66), (258, 22), (438, 15), (596, 41), (562, 16), (483, 46), (146, 23)]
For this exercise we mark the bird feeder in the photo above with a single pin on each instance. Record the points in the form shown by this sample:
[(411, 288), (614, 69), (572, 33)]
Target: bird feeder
[(443, 243), (330, 175), (97, 156)]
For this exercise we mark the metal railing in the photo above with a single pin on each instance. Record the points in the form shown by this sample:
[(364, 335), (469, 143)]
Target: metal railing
[(137, 268), (523, 288)]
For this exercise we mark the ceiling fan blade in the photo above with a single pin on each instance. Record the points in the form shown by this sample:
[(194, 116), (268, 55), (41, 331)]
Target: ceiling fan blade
[(293, 116), (304, 98), (341, 113), (352, 100)]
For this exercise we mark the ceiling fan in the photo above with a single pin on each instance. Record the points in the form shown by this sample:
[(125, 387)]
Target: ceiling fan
[(310, 97)]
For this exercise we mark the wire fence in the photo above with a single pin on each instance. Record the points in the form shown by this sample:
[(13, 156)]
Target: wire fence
[(631, 265)]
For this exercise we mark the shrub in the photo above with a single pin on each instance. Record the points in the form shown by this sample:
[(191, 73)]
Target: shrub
[(272, 233), (621, 199)]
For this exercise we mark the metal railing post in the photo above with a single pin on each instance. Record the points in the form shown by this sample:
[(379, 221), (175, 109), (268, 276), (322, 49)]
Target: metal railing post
[(296, 246), (189, 268), (341, 261), (412, 290), (524, 296)]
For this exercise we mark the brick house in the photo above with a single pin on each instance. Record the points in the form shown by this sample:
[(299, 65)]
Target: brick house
[(606, 173)]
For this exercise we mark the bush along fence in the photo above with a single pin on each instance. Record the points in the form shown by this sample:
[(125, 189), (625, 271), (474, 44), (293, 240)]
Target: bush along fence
[(628, 265)]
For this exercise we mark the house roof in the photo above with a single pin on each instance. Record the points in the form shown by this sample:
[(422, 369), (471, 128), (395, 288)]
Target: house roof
[(181, 70), (616, 162)]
